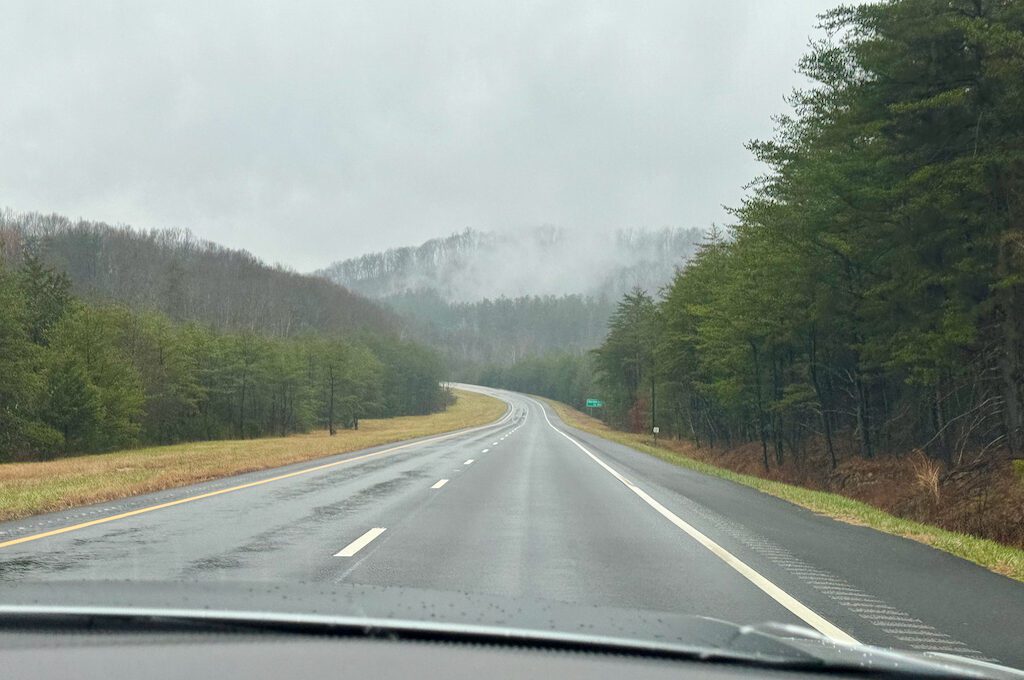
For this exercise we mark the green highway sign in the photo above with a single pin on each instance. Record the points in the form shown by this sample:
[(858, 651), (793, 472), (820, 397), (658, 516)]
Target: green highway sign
[(594, 403)]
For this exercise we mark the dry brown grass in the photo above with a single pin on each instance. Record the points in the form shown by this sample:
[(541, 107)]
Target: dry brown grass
[(928, 474), (32, 488)]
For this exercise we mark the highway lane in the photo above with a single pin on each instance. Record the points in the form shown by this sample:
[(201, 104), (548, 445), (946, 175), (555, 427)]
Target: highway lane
[(521, 510)]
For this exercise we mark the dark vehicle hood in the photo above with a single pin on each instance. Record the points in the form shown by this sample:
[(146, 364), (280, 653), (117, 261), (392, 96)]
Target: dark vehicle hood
[(475, 616)]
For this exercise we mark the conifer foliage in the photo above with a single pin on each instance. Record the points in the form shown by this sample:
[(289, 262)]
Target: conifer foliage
[(870, 295)]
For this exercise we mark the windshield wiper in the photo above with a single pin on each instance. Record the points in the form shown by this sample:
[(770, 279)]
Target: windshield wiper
[(136, 619)]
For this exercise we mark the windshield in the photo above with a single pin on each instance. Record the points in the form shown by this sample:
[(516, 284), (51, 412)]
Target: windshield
[(592, 318)]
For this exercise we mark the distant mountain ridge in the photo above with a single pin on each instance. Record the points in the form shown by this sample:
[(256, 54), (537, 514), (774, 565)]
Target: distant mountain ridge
[(475, 265), (485, 298), (190, 279)]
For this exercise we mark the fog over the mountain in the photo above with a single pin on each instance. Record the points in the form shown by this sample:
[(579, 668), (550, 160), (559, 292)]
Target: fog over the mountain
[(474, 265), (318, 130)]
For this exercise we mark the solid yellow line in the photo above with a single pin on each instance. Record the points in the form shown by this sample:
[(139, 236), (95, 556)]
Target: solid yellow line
[(161, 506)]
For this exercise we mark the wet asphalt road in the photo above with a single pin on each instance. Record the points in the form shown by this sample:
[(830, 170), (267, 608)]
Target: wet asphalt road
[(530, 508)]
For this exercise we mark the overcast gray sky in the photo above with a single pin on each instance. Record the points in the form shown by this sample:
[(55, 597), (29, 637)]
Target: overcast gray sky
[(313, 131)]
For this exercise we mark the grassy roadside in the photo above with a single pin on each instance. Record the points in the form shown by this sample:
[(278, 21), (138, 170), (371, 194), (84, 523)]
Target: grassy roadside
[(989, 554), (32, 488)]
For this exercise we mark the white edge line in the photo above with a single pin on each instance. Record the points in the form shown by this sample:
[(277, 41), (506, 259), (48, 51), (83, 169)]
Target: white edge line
[(360, 543), (439, 483), (800, 610)]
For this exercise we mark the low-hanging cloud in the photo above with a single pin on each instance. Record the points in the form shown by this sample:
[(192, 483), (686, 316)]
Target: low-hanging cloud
[(311, 132)]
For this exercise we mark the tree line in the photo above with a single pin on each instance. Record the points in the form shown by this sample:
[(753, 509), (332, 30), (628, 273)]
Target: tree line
[(565, 376), (870, 296), (79, 377), (502, 331)]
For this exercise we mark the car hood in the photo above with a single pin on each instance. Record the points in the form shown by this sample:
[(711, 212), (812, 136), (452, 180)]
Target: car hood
[(476, 616)]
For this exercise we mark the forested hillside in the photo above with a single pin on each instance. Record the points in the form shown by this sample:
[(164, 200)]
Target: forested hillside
[(870, 297), (154, 338), (187, 279)]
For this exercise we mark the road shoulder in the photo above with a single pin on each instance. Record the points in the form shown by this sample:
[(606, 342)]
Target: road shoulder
[(993, 556)]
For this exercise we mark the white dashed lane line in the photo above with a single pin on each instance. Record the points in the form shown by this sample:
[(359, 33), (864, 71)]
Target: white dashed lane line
[(360, 543), (439, 483), (468, 462)]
